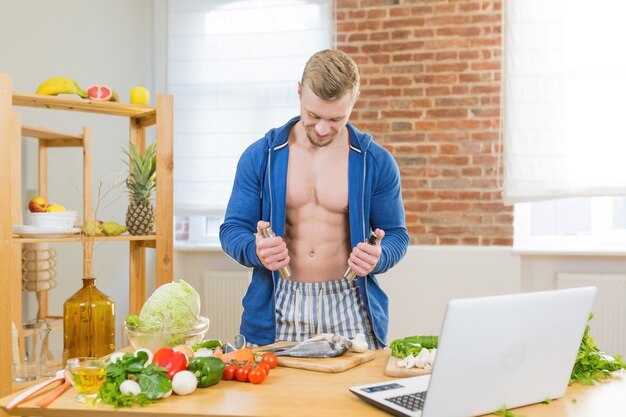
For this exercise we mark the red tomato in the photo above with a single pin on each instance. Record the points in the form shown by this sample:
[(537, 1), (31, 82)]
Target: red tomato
[(265, 366), (257, 375), (229, 372), (242, 373), (270, 359)]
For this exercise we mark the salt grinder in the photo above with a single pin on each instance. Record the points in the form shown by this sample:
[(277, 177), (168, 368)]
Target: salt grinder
[(285, 272)]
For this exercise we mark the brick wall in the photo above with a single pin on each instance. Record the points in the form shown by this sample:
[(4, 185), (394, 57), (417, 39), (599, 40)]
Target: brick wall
[(431, 94)]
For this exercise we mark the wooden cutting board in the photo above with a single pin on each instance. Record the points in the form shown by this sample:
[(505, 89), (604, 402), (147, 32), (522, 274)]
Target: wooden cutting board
[(332, 365), (392, 369)]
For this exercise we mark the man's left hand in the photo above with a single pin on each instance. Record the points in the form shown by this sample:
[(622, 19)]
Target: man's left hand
[(364, 256)]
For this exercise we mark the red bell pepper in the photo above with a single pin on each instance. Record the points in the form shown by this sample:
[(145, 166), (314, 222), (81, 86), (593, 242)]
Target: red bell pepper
[(171, 360)]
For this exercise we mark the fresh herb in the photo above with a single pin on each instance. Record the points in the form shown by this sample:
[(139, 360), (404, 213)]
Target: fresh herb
[(547, 401), (152, 379), (504, 412), (401, 348), (592, 365)]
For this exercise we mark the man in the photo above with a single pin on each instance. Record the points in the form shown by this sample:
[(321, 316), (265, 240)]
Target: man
[(323, 186)]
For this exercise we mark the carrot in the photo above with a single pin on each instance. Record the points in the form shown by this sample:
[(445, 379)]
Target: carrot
[(237, 355)]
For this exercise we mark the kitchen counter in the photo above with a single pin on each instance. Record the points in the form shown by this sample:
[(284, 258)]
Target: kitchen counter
[(293, 392)]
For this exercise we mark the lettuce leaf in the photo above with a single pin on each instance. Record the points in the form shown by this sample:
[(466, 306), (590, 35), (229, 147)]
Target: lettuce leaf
[(174, 306)]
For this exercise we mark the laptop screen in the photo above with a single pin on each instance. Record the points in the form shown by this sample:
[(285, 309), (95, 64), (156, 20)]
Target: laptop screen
[(505, 350)]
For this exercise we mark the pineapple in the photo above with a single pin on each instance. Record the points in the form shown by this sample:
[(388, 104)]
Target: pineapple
[(141, 183)]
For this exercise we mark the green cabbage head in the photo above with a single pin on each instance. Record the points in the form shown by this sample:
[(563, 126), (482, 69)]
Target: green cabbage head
[(175, 306)]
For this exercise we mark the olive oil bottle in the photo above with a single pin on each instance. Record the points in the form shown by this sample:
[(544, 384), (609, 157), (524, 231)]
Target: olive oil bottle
[(89, 322)]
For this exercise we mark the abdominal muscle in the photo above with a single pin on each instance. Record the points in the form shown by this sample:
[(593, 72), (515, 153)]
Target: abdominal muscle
[(318, 244)]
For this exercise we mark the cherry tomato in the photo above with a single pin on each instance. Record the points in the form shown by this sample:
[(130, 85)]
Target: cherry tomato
[(257, 375), (265, 366), (242, 373), (229, 371), (270, 359)]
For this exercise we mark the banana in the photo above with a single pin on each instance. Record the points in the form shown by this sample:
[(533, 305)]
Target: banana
[(60, 85)]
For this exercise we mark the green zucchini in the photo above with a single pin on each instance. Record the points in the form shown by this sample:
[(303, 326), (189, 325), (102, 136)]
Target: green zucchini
[(401, 348)]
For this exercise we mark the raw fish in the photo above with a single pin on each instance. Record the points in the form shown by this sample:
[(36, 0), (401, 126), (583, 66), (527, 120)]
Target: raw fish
[(324, 345)]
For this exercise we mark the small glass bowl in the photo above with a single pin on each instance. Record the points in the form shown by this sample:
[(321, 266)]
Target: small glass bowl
[(156, 337), (87, 376)]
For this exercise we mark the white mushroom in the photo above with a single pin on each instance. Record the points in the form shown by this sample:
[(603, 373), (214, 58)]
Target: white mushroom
[(359, 344)]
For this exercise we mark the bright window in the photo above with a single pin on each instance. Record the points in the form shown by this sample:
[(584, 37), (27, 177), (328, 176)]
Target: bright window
[(564, 145), (233, 68)]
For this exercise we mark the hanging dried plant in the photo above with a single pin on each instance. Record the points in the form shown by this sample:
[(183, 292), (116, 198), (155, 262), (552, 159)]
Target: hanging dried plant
[(92, 227)]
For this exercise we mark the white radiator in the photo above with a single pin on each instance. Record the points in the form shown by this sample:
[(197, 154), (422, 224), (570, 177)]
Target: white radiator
[(608, 326), (221, 293)]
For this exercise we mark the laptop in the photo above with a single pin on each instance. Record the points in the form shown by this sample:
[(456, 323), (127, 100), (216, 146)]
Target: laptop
[(494, 352)]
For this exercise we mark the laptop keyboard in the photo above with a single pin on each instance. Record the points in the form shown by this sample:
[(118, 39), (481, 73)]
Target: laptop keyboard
[(413, 402)]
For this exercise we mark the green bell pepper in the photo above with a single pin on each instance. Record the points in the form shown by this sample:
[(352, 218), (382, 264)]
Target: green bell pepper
[(208, 370)]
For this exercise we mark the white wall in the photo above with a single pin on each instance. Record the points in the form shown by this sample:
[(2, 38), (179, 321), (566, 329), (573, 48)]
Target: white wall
[(420, 285), (94, 42), (539, 270)]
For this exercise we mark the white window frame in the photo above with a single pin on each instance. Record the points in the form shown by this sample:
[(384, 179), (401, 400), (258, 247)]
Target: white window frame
[(602, 237)]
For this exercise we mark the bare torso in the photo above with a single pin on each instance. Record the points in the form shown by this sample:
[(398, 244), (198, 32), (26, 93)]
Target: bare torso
[(317, 222)]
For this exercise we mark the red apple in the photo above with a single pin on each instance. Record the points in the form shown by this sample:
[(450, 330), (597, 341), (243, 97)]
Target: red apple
[(38, 205)]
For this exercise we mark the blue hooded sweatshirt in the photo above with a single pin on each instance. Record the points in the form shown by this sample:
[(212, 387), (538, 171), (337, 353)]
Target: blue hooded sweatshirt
[(259, 193)]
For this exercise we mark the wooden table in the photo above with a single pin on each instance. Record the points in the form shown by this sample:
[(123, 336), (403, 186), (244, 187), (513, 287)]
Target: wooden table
[(293, 392)]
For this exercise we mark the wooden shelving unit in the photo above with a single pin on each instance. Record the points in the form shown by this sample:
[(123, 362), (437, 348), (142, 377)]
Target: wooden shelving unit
[(11, 133), (47, 139)]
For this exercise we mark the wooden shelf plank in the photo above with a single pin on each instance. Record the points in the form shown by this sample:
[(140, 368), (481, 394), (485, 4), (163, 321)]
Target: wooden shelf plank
[(78, 238), (142, 114), (149, 244), (52, 138)]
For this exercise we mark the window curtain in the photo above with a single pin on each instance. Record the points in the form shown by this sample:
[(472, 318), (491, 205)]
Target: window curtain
[(233, 68), (564, 83)]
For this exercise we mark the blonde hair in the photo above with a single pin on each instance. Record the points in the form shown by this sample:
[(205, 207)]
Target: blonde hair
[(331, 74)]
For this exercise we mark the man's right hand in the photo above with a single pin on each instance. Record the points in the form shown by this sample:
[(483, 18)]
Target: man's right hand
[(272, 251)]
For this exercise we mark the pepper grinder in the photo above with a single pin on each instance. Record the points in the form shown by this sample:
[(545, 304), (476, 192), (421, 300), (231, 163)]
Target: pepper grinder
[(350, 274), (285, 271)]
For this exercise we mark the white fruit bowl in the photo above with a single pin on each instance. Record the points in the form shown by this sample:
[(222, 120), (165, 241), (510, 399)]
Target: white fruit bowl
[(54, 220)]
